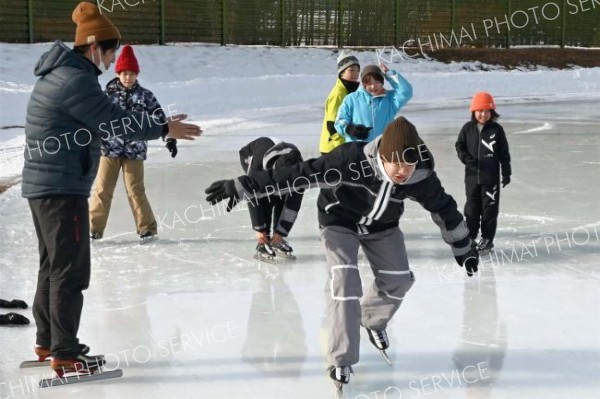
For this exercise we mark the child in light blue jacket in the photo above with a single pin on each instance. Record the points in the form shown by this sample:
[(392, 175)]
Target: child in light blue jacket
[(365, 113)]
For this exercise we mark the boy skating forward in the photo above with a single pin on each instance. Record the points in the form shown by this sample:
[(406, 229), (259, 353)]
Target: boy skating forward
[(363, 187)]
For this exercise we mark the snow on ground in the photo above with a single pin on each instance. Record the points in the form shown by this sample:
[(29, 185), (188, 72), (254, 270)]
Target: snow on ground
[(192, 315)]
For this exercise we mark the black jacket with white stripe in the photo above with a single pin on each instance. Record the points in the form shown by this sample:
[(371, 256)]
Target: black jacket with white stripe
[(256, 156), (482, 152), (357, 194)]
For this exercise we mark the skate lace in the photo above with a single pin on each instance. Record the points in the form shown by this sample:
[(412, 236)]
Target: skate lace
[(380, 338), (342, 373)]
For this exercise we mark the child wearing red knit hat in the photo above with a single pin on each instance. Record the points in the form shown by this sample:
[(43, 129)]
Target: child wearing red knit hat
[(483, 149), (127, 155)]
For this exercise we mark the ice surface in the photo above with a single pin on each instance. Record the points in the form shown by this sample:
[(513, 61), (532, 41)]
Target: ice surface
[(192, 315)]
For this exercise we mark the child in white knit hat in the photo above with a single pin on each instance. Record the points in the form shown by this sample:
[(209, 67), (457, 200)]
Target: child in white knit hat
[(348, 70)]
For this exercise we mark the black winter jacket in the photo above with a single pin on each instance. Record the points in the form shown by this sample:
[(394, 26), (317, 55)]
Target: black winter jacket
[(483, 152), (357, 194), (67, 115), (257, 156)]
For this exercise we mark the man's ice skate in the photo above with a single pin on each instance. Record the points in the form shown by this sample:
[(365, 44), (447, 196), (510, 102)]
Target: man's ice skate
[(81, 368), (146, 237), (284, 249), (44, 355), (265, 253), (485, 247), (340, 376), (379, 339)]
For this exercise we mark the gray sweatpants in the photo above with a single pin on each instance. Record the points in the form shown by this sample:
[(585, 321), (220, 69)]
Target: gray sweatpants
[(344, 309)]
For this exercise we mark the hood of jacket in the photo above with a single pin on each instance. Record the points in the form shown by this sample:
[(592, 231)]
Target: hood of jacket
[(425, 164), (60, 55)]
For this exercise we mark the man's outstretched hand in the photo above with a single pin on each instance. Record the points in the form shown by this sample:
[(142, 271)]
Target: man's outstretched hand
[(222, 190), (182, 130)]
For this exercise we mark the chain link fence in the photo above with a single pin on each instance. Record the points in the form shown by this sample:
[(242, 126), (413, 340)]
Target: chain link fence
[(430, 24)]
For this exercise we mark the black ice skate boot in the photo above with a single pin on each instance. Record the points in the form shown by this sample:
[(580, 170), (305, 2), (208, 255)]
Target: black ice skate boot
[(485, 247), (379, 339), (95, 236), (340, 376), (284, 249), (265, 253), (146, 237)]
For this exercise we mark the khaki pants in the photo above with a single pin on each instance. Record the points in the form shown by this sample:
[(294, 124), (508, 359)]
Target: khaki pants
[(104, 188)]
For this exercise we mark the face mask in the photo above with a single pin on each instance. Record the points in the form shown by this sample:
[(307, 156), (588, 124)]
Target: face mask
[(100, 65)]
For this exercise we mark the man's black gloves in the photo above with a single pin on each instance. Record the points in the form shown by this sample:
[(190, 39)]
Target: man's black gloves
[(222, 190), (15, 303), (13, 318), (505, 181), (470, 261), (172, 147), (470, 161), (359, 132)]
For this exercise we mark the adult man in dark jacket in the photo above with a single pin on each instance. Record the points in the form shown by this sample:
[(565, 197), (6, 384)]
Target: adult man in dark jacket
[(67, 114), (363, 188)]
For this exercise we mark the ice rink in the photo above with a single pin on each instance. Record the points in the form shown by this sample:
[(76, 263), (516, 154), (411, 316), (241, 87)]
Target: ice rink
[(192, 315)]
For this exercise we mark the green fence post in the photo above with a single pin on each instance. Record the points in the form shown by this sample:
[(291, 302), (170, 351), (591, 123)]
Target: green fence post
[(509, 7), (340, 24), (223, 23), (162, 40), (30, 19), (282, 22), (563, 33), (397, 23), (452, 16)]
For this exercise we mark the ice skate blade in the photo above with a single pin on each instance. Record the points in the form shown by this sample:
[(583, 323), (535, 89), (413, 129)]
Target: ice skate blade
[(98, 375), (486, 252), (385, 356), (271, 261), (285, 255), (34, 363), (144, 241), (339, 389)]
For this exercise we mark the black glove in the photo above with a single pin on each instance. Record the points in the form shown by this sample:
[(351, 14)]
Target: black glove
[(470, 260), (222, 190), (470, 161), (15, 303), (13, 318), (172, 147), (505, 181), (360, 132)]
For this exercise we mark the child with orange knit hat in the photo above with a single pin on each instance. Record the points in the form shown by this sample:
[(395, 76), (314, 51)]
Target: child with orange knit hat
[(127, 155), (483, 149)]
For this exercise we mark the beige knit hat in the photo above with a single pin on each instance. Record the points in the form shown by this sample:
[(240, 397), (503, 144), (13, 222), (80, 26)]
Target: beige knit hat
[(400, 142), (92, 26)]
